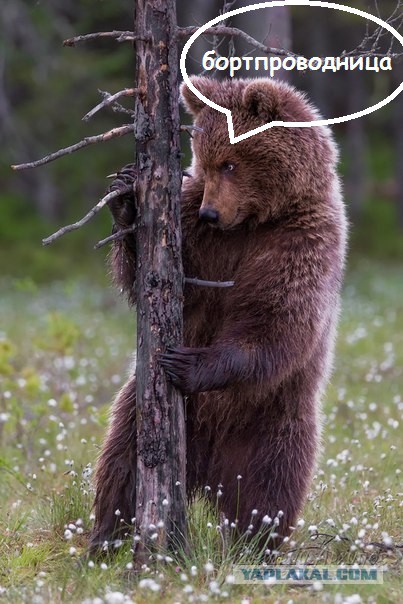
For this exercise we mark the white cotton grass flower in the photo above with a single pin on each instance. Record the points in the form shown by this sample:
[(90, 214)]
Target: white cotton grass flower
[(115, 597), (266, 519), (209, 567), (301, 523), (68, 535), (214, 587), (387, 539), (149, 584), (354, 599)]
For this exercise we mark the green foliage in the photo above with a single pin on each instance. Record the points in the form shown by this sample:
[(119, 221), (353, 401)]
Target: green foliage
[(378, 235), (22, 255)]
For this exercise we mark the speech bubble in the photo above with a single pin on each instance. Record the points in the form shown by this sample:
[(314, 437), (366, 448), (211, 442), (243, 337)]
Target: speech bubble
[(245, 9)]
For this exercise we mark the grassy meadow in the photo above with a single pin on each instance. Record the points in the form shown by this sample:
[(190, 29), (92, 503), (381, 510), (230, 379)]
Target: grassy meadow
[(65, 350)]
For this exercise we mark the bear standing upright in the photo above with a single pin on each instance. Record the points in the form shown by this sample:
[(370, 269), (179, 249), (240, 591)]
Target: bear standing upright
[(266, 213)]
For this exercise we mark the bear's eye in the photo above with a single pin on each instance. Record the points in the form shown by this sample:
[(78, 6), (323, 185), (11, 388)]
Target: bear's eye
[(227, 167)]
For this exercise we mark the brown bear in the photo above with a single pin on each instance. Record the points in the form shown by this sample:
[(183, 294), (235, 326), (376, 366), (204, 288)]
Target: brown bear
[(266, 213)]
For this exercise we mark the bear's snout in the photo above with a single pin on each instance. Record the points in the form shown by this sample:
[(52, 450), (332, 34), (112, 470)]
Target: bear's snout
[(209, 214)]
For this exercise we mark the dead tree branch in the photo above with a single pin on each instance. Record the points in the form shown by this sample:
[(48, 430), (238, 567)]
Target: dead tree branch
[(201, 282), (118, 108), (89, 140), (119, 36), (185, 32), (76, 225), (370, 46), (109, 99), (115, 236), (189, 129)]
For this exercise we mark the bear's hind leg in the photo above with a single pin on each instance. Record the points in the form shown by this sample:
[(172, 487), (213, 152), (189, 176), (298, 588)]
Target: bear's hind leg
[(115, 475), (276, 460), (281, 475)]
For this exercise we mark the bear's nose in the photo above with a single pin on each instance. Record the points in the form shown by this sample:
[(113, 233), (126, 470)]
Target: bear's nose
[(208, 215)]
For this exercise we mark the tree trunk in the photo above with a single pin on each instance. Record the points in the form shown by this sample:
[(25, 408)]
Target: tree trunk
[(279, 24), (272, 26), (398, 125), (160, 416), (356, 145)]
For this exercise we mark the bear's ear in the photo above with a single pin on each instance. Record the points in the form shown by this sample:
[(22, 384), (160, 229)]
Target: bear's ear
[(192, 103), (261, 99)]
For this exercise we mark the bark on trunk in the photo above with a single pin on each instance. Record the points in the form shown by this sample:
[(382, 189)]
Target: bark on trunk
[(160, 416)]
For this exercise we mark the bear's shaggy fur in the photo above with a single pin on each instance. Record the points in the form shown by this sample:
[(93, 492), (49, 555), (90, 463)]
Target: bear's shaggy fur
[(256, 356)]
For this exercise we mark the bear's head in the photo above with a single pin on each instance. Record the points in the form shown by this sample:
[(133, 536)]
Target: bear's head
[(269, 174)]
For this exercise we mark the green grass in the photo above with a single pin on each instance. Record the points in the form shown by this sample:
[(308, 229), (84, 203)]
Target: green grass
[(65, 350)]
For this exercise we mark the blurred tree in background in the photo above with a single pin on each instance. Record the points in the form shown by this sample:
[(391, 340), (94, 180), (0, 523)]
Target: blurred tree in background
[(45, 89)]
